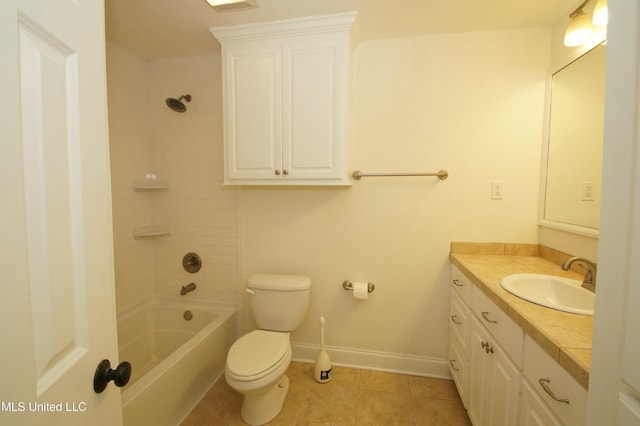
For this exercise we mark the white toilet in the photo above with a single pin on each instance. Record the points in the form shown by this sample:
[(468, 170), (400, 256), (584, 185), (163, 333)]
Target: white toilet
[(257, 361)]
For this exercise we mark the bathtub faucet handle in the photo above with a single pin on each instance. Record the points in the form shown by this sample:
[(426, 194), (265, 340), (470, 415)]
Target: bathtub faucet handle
[(187, 288)]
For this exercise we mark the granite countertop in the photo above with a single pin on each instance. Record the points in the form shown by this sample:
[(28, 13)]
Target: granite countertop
[(564, 336)]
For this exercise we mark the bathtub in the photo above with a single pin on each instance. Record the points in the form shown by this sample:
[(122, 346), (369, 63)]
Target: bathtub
[(174, 361)]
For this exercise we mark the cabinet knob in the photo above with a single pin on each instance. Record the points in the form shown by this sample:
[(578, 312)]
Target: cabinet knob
[(278, 172), (285, 172)]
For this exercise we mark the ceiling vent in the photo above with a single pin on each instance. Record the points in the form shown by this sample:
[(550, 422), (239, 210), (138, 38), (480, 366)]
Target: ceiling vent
[(232, 5)]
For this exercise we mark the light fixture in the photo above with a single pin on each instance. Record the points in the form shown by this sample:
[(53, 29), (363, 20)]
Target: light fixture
[(231, 5), (600, 13), (579, 29)]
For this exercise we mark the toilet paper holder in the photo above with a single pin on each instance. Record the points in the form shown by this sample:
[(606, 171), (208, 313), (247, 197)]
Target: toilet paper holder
[(348, 285)]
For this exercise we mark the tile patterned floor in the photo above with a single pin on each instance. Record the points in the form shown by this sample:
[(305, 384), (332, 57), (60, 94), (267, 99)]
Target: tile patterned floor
[(352, 397)]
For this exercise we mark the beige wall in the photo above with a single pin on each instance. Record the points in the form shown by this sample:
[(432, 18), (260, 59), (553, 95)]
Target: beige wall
[(471, 103)]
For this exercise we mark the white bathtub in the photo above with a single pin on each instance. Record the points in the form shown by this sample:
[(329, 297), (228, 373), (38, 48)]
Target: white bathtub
[(174, 361)]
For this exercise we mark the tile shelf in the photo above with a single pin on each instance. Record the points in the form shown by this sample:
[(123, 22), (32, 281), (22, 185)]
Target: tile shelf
[(149, 231), (150, 185)]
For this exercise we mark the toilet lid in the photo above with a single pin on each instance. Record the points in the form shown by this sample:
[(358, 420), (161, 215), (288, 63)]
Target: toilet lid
[(256, 354)]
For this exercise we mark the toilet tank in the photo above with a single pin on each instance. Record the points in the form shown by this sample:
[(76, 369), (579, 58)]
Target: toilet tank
[(278, 302)]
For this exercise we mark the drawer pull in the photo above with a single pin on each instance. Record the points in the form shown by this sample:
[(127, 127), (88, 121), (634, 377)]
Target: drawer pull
[(453, 367), (547, 389), (457, 283), (455, 320), (485, 315)]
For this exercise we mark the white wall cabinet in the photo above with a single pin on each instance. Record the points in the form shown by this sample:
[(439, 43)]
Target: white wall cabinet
[(285, 101)]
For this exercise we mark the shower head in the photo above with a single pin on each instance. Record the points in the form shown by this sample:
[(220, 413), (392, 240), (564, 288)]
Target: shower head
[(176, 104)]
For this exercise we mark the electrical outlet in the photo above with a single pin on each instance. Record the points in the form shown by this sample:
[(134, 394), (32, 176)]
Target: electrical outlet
[(496, 190), (588, 189)]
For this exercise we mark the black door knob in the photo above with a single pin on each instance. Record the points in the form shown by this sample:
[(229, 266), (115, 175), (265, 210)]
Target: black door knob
[(104, 374)]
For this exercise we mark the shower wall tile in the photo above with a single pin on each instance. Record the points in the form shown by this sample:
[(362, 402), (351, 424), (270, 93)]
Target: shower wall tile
[(127, 87), (186, 149)]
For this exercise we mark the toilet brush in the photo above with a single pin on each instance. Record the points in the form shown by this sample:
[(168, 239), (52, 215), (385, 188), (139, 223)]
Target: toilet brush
[(322, 371)]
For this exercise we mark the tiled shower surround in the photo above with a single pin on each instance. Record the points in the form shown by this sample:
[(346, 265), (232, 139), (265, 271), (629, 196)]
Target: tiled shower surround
[(183, 149)]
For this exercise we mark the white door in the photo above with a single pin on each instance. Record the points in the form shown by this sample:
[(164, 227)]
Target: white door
[(57, 304)]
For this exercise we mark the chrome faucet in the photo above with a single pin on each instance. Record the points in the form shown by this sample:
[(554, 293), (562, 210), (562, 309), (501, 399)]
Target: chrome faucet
[(589, 281), (187, 288)]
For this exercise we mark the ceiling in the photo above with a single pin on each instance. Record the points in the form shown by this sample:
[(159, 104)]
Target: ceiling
[(163, 29)]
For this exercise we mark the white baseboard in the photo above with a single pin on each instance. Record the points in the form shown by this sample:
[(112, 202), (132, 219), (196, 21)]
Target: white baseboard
[(373, 360)]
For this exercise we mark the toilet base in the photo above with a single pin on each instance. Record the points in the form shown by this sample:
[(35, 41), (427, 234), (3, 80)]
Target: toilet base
[(258, 409)]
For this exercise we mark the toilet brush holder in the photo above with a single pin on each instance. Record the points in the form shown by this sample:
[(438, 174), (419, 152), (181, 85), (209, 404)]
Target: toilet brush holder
[(322, 370)]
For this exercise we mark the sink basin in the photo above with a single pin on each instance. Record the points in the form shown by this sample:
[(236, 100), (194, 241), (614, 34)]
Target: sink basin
[(563, 294)]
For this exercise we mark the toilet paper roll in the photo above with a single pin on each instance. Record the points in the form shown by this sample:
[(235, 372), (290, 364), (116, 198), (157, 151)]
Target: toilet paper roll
[(360, 290)]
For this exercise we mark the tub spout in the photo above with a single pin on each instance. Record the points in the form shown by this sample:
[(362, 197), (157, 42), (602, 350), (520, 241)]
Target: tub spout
[(187, 288)]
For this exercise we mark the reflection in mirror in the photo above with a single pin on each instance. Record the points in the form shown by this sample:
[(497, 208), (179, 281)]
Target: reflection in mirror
[(574, 156)]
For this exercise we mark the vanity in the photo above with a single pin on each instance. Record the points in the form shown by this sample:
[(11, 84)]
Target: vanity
[(513, 361)]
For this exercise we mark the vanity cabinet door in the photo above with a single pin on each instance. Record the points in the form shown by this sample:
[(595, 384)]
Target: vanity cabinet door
[(494, 381), (459, 324), (459, 368), (533, 410), (480, 366), (559, 391)]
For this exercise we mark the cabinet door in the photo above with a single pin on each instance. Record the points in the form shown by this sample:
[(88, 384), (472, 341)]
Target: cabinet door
[(480, 366), (315, 82), (494, 381), (458, 366), (533, 410), (505, 389), (252, 99)]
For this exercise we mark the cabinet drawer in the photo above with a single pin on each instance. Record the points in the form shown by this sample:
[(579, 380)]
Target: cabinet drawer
[(458, 366), (543, 371), (533, 410), (459, 323), (510, 336), (461, 284)]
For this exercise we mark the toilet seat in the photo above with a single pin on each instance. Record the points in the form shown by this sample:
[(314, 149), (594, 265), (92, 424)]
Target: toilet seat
[(257, 354)]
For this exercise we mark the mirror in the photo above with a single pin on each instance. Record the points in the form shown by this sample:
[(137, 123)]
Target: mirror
[(575, 129)]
